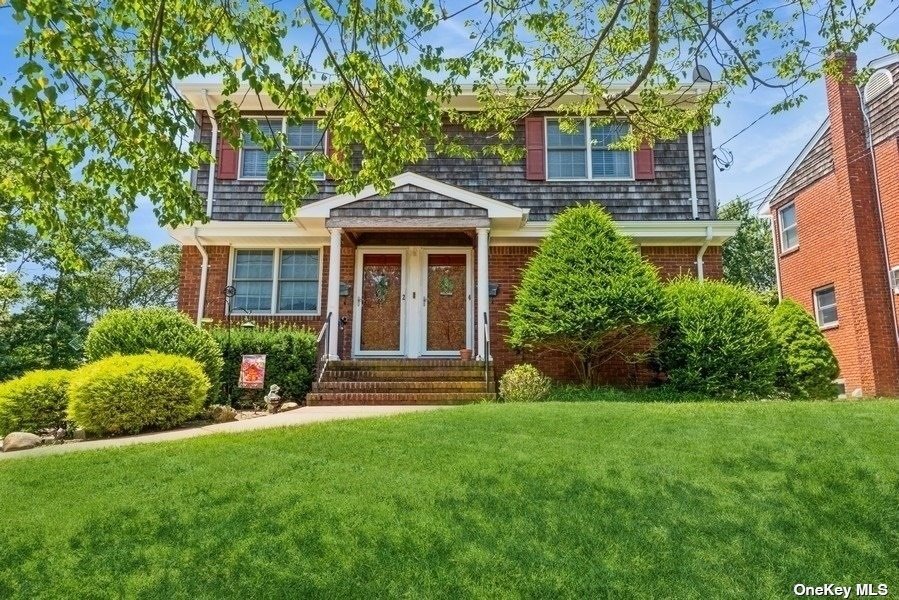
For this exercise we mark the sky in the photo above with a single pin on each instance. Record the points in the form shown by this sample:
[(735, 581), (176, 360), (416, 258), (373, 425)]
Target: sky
[(758, 155)]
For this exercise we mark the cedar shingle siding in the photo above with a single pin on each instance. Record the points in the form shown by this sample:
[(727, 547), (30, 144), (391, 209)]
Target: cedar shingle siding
[(818, 162), (667, 197)]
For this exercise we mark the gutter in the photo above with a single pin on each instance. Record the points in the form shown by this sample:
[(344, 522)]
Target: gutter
[(780, 293), (700, 264), (210, 187), (694, 200), (204, 269)]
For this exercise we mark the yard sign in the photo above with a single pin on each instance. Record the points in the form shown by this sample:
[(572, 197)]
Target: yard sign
[(252, 371)]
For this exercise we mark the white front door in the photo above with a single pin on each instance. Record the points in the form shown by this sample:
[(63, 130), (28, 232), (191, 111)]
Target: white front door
[(414, 301)]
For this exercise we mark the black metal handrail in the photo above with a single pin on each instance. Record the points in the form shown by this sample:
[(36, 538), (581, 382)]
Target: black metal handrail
[(323, 353), (486, 347)]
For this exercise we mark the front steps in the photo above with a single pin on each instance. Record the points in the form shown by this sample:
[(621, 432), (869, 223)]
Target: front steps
[(401, 381)]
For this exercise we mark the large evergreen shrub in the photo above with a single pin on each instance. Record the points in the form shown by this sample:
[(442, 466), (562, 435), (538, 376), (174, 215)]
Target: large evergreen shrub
[(129, 394), (586, 292), (135, 331), (718, 340), (290, 361), (36, 400), (807, 365)]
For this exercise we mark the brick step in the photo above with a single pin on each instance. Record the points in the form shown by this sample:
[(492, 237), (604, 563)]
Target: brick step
[(403, 364), (388, 398), (436, 374), (399, 386)]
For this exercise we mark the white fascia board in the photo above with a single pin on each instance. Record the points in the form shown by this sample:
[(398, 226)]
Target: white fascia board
[(766, 207), (884, 61), (495, 209), (645, 232), (229, 233)]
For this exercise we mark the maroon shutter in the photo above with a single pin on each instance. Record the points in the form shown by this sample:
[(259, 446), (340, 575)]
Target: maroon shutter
[(226, 167), (644, 163), (535, 162)]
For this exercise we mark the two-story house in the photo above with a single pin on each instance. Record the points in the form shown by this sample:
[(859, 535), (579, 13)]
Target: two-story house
[(835, 216), (431, 268)]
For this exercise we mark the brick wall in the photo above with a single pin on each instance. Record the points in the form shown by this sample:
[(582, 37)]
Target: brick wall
[(506, 265), (840, 244)]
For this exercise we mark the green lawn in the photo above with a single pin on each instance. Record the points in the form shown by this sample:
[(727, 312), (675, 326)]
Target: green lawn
[(559, 499)]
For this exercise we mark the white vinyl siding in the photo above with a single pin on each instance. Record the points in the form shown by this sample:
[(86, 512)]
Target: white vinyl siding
[(296, 286), (585, 154), (789, 233), (826, 306)]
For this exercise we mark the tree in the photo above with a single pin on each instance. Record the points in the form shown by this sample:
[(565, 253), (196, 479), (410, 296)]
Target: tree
[(587, 292), (44, 320), (92, 120), (807, 364), (749, 255)]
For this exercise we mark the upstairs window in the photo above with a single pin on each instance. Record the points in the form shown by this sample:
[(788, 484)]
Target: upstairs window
[(303, 137), (826, 306), (292, 287), (254, 160), (585, 153), (789, 236)]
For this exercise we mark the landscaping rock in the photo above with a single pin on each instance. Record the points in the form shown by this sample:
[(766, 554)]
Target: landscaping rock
[(289, 406), (19, 440), (219, 413), (80, 434)]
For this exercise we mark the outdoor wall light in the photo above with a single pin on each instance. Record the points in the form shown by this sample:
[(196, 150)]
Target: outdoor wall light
[(493, 290), (345, 288)]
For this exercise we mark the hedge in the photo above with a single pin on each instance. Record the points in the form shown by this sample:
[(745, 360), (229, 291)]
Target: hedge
[(164, 330), (129, 394), (35, 401), (290, 361), (718, 340), (807, 365)]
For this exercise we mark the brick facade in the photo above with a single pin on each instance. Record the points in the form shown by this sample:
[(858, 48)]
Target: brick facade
[(506, 264), (841, 244)]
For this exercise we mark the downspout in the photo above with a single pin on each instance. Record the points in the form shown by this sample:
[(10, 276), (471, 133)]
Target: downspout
[(883, 233), (204, 269), (694, 200), (700, 264), (780, 294), (210, 187)]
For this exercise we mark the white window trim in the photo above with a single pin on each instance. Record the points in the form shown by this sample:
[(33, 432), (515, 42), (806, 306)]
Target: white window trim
[(818, 307), (276, 270), (589, 149), (894, 279), (794, 226), (242, 177)]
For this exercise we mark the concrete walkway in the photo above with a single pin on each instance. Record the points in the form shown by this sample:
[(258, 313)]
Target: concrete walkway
[(299, 416)]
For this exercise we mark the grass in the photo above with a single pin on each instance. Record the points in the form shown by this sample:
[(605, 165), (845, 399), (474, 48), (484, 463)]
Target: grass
[(702, 500)]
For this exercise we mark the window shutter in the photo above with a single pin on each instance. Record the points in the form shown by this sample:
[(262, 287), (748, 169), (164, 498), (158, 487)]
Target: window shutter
[(535, 145), (644, 163), (226, 167)]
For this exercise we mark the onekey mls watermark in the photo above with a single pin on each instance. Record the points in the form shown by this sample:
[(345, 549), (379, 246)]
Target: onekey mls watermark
[(834, 590)]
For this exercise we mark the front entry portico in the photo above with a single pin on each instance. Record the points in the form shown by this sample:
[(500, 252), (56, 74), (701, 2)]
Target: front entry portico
[(416, 298), (412, 301)]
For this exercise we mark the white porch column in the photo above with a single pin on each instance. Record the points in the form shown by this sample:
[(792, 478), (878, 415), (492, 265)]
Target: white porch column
[(334, 292), (483, 284)]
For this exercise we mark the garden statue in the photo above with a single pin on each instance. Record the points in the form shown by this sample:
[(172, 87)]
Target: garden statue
[(273, 399)]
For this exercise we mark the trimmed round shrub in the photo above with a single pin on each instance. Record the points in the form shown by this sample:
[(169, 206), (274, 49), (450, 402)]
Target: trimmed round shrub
[(524, 383), (807, 365), (135, 331), (128, 394), (36, 400), (718, 340)]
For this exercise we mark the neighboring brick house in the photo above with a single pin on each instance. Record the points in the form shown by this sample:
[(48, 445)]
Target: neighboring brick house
[(431, 268), (835, 216)]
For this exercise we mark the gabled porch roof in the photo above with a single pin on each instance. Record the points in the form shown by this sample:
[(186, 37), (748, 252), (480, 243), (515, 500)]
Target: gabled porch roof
[(415, 202)]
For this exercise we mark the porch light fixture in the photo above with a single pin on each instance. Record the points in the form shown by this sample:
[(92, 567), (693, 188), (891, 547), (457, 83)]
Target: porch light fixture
[(345, 288), (493, 290)]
